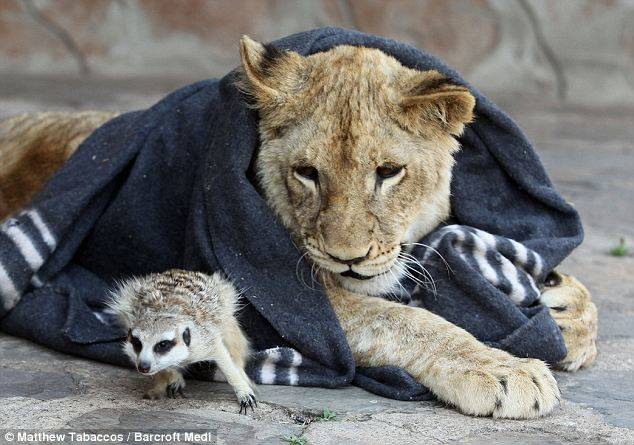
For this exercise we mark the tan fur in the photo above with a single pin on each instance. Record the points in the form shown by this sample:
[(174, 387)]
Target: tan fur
[(576, 315), (346, 112), (34, 146)]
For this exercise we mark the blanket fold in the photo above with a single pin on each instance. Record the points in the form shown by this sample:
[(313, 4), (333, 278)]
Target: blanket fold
[(169, 187)]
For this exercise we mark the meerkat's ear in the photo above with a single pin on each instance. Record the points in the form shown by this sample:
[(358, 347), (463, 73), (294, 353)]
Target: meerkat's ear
[(270, 76), (187, 337), (430, 101)]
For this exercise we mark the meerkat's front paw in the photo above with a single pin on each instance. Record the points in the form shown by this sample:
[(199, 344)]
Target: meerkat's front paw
[(576, 315), (168, 383), (502, 386), (175, 388), (154, 393), (246, 398)]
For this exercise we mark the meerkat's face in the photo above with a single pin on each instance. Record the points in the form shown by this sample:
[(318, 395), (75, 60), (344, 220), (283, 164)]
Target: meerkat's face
[(155, 349)]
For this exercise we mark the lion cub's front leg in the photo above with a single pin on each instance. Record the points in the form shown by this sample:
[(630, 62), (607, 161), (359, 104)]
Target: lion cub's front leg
[(459, 369)]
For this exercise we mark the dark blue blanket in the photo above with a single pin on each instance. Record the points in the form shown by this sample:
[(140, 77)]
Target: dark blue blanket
[(168, 187)]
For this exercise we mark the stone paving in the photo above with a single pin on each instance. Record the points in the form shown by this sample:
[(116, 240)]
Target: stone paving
[(590, 156)]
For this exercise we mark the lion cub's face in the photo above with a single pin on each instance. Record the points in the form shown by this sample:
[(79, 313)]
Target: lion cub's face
[(356, 154)]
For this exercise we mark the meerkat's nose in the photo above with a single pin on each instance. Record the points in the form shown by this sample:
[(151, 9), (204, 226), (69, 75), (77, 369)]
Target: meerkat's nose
[(143, 367)]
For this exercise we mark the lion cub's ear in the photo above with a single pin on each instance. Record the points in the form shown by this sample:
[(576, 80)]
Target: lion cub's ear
[(430, 102), (271, 77)]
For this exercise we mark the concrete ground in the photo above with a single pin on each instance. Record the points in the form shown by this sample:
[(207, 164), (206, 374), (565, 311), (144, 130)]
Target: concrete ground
[(590, 156)]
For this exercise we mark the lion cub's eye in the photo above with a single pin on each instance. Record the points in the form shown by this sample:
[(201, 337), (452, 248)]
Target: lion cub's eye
[(307, 172), (386, 171)]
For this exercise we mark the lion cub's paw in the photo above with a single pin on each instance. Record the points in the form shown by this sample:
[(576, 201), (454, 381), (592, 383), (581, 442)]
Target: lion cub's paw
[(576, 315), (511, 388)]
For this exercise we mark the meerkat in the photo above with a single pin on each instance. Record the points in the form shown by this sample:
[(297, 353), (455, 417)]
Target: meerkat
[(178, 318)]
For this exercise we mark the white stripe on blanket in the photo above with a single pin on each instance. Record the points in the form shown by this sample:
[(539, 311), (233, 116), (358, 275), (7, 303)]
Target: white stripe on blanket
[(296, 361), (25, 237), (9, 293), (24, 244), (41, 225), (267, 372)]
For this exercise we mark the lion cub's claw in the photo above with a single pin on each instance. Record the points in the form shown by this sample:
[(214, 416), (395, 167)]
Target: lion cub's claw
[(528, 390)]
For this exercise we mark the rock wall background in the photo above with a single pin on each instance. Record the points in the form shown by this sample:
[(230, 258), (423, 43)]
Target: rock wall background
[(572, 51)]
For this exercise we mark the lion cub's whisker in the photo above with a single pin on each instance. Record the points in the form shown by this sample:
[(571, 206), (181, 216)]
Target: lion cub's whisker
[(413, 260), (449, 270), (397, 281), (300, 278), (407, 271), (410, 259), (421, 271), (401, 267)]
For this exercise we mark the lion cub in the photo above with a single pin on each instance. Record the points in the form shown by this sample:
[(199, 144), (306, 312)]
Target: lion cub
[(178, 318)]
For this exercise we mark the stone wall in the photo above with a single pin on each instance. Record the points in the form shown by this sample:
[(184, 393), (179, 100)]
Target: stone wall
[(577, 51)]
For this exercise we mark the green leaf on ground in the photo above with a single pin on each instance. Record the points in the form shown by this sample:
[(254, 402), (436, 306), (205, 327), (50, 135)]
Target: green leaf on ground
[(621, 249), (295, 440), (327, 415)]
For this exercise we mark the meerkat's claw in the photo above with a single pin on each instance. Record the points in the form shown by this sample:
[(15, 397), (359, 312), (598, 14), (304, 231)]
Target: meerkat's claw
[(175, 391), (175, 386), (247, 400), (167, 383), (252, 402)]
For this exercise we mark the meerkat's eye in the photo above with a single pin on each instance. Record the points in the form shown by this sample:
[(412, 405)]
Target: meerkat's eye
[(163, 346), (187, 336), (136, 344)]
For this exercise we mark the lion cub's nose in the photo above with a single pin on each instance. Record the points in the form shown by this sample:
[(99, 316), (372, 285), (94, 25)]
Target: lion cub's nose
[(349, 261)]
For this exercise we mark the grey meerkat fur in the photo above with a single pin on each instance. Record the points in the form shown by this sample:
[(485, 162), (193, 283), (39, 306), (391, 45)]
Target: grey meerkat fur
[(177, 318)]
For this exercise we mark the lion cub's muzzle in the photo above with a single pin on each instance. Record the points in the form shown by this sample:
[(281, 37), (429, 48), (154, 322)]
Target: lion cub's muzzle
[(363, 267), (351, 274)]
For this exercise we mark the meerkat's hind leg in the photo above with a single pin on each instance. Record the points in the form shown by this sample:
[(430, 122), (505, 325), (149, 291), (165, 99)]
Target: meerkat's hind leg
[(167, 383), (236, 377)]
